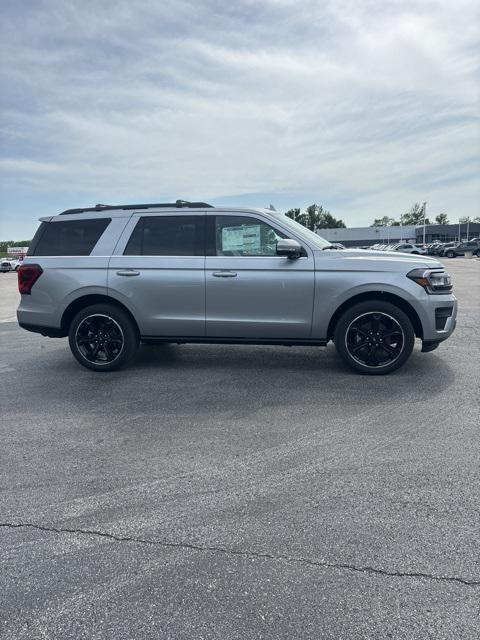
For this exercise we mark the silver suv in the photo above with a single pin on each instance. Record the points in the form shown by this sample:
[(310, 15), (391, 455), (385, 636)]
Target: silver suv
[(110, 277)]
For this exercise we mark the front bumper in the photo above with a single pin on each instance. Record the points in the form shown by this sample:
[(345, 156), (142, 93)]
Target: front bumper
[(439, 318)]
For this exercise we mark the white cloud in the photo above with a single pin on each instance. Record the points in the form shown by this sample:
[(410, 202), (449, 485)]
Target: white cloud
[(365, 107)]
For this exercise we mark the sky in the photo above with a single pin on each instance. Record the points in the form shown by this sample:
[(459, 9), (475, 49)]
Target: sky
[(363, 106)]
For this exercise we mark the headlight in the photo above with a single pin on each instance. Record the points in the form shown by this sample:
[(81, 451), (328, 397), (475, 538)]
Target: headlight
[(432, 280)]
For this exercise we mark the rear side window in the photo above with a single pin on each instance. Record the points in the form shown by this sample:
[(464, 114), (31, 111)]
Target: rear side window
[(167, 236), (68, 238)]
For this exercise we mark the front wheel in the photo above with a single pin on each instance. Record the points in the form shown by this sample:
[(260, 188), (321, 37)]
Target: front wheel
[(103, 337), (374, 337)]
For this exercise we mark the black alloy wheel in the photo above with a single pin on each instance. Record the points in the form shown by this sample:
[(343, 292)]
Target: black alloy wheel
[(374, 337), (99, 339), (103, 337)]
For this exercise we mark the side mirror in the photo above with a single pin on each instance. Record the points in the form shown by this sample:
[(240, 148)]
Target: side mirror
[(289, 248)]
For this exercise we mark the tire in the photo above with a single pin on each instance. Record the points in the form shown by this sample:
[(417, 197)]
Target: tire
[(103, 337), (450, 254), (379, 334)]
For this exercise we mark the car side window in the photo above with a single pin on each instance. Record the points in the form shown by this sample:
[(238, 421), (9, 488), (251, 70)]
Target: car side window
[(245, 236), (181, 235), (68, 237)]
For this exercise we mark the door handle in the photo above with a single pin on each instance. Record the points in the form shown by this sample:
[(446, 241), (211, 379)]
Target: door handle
[(128, 272), (224, 274)]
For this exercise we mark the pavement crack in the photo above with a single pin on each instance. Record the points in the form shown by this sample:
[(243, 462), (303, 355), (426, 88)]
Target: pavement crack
[(242, 553)]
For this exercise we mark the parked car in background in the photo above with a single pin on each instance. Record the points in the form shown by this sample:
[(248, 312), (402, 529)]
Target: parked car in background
[(5, 266), (16, 262), (414, 249), (445, 246), (433, 248), (13, 262), (461, 248)]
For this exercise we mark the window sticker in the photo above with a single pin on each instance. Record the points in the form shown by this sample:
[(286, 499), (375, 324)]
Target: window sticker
[(245, 238)]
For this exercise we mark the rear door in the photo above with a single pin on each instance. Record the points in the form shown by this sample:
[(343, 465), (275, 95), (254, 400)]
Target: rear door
[(250, 291), (158, 271)]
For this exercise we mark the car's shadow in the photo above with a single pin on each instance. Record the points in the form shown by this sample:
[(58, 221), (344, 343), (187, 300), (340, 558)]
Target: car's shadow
[(182, 378), (291, 369)]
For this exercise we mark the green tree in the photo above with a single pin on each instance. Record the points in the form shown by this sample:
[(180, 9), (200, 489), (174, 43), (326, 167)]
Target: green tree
[(414, 215), (442, 218), (465, 219), (327, 221), (315, 217), (295, 214), (386, 221)]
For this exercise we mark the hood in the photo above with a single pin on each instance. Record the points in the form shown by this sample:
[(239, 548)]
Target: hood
[(361, 259)]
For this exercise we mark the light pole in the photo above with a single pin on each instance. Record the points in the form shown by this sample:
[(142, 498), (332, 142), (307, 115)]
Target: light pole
[(424, 218)]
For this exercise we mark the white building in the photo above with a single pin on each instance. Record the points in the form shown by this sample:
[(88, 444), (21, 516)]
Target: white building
[(366, 236)]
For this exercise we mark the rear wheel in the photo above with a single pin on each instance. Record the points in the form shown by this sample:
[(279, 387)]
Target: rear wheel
[(103, 337), (374, 338), (450, 254)]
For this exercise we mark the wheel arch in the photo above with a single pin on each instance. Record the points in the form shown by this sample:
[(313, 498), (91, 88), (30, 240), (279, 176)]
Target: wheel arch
[(383, 296), (87, 300)]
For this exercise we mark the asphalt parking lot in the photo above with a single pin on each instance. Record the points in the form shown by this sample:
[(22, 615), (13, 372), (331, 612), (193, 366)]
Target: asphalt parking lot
[(212, 492)]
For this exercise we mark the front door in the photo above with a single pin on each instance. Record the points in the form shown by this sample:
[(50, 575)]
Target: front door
[(250, 291)]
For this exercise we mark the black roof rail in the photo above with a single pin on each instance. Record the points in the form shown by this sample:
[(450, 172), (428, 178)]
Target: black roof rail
[(179, 204)]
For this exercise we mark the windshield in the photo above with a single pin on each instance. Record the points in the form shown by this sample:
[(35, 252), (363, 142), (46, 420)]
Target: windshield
[(303, 232)]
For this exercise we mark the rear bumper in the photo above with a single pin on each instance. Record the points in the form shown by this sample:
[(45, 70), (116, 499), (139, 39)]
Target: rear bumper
[(50, 332)]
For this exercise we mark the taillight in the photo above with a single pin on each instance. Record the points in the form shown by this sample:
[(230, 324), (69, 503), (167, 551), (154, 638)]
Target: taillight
[(28, 274)]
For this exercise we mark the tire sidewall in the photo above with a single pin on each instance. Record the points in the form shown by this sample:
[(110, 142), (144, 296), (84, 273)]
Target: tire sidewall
[(129, 330), (371, 306)]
